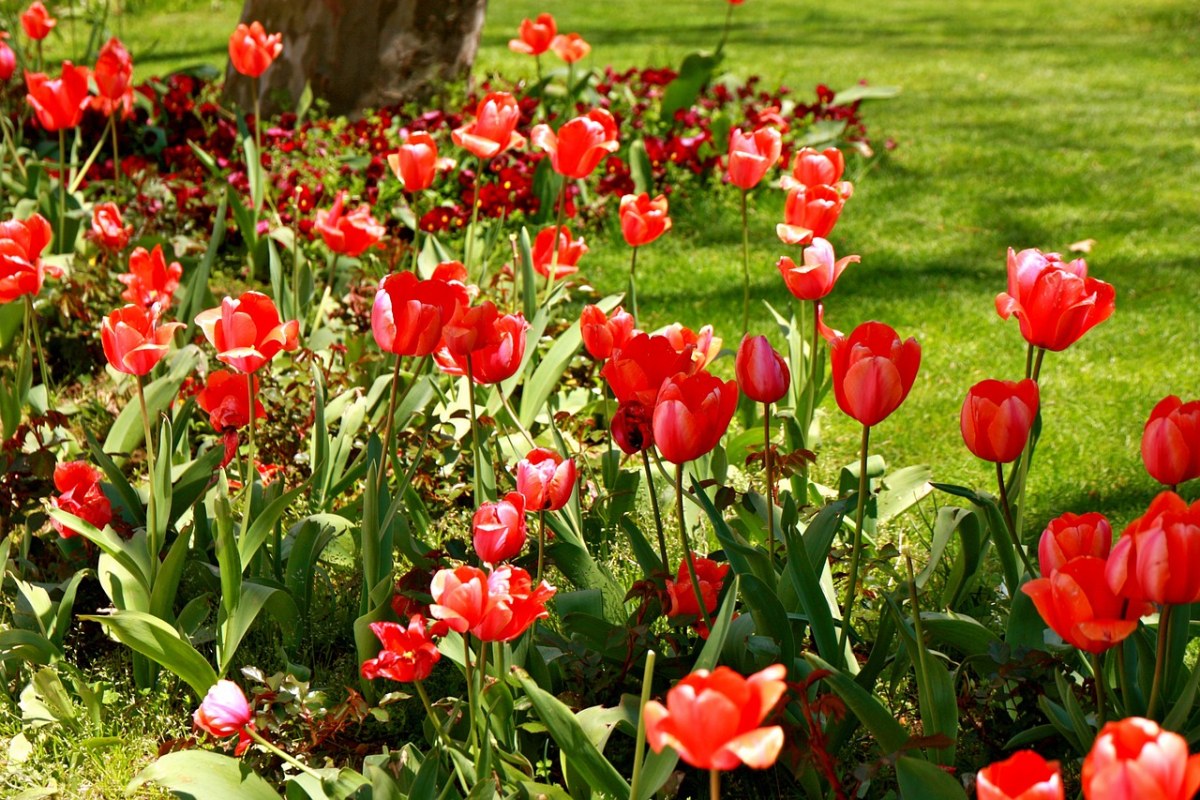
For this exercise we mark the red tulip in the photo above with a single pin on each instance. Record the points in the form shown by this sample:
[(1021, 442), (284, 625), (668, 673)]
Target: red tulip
[(570, 47), (499, 528), (525, 604), (996, 418), (150, 282), (712, 719), (114, 80), (873, 371), (59, 102), (1135, 759), (691, 415), (711, 577), (601, 334), (225, 712), (535, 36), (21, 246), (79, 493), (226, 398), (496, 606), (133, 341), (637, 370), (108, 229), (1071, 536), (495, 344), (810, 212), (349, 234), (1157, 557), (817, 168), (416, 162), (1171, 441), (632, 427), (252, 49), (819, 273), (37, 22), (248, 332), (580, 143), (545, 479), (751, 155), (493, 130), (702, 345), (1077, 604), (762, 374), (643, 220), (408, 654), (1024, 776), (569, 252), (1055, 301), (409, 313), (8, 59)]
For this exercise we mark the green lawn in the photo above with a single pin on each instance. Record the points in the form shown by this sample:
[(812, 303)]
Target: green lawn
[(1023, 123)]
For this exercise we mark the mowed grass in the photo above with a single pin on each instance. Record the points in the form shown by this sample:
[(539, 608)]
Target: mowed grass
[(1022, 123)]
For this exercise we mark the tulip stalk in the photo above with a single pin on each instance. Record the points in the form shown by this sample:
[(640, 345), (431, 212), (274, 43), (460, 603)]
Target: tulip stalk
[(1160, 660), (33, 335), (541, 544), (151, 511), (687, 547), (856, 548), (725, 35), (745, 263), (116, 152), (658, 525), (639, 748), (714, 775), (1006, 507), (558, 218), (476, 450), (1098, 674), (393, 403), (633, 283), (300, 765), (468, 248), (770, 487), (62, 187), (249, 476)]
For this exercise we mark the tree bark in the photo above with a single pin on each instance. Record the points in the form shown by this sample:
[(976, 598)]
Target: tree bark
[(359, 54)]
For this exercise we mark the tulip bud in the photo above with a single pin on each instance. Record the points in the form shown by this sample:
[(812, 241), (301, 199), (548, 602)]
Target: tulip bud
[(1024, 776), (545, 479), (499, 528), (762, 374), (996, 418)]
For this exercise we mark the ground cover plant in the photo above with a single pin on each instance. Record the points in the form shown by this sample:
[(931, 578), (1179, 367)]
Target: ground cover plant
[(338, 446)]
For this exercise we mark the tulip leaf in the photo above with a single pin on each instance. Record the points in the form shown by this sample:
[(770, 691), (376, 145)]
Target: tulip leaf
[(962, 633), (529, 298), (861, 91), (640, 168), (126, 432), (694, 74), (202, 774), (807, 585), (921, 780), (195, 294), (125, 552), (743, 557), (158, 641)]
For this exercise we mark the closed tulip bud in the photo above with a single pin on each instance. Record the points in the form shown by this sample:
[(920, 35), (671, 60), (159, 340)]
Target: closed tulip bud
[(1135, 759), (580, 143), (712, 719), (1171, 441), (409, 652), (996, 418), (348, 234), (570, 47), (108, 229), (133, 341), (751, 155), (632, 427), (536, 36), (810, 212), (252, 49), (762, 374), (1157, 557), (114, 80), (493, 129), (819, 271), (873, 371), (1024, 776), (58, 102), (8, 58), (37, 22), (1076, 602), (248, 332), (225, 712), (602, 335), (1071, 536), (80, 494), (691, 415), (1055, 301), (643, 220), (546, 479), (416, 163), (499, 529)]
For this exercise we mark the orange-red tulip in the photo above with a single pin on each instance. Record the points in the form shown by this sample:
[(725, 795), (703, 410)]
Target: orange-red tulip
[(604, 334), (569, 252), (810, 212), (416, 162), (1024, 776), (37, 22), (535, 35), (225, 712), (226, 398), (1171, 441), (114, 80), (691, 415), (712, 719), (1054, 300), (1135, 759), (545, 479), (408, 313), (252, 49), (814, 167), (493, 129), (79, 493), (643, 220), (637, 370), (409, 652), (1071, 536), (494, 343), (108, 229), (496, 606), (873, 371), (248, 332), (580, 143), (349, 234), (819, 271), (21, 246), (1075, 601), (996, 418), (150, 282), (751, 155), (570, 47), (682, 597), (498, 529), (762, 374), (1157, 557), (58, 102), (133, 341)]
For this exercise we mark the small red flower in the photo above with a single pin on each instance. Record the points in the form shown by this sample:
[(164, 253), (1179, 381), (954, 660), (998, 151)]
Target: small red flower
[(58, 102), (252, 49), (408, 654), (545, 479), (348, 234), (568, 255), (150, 282), (108, 229), (133, 340), (79, 493), (535, 35), (37, 22)]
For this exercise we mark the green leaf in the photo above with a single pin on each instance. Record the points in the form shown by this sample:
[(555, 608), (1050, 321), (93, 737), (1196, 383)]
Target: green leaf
[(529, 298), (235, 625), (807, 584), (161, 643), (921, 780), (861, 91), (126, 431), (743, 557), (166, 582), (873, 714), (204, 775), (640, 168), (694, 74), (264, 523), (124, 552), (117, 479), (963, 633), (20, 645)]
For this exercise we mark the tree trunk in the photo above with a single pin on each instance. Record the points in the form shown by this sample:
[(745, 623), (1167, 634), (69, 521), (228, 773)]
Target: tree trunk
[(359, 54)]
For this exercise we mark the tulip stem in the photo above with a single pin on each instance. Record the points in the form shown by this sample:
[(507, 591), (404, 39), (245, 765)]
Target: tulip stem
[(475, 448), (1013, 534), (813, 378), (639, 748), (151, 512), (416, 238), (551, 273), (388, 425), (258, 170), (1160, 660), (36, 336), (541, 543), (330, 273), (249, 476), (1098, 676), (770, 487), (300, 765), (1029, 362), (116, 153), (1037, 363), (745, 264), (856, 548), (468, 247), (62, 189), (81, 173), (687, 548), (633, 283), (658, 525), (714, 775), (725, 38)]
